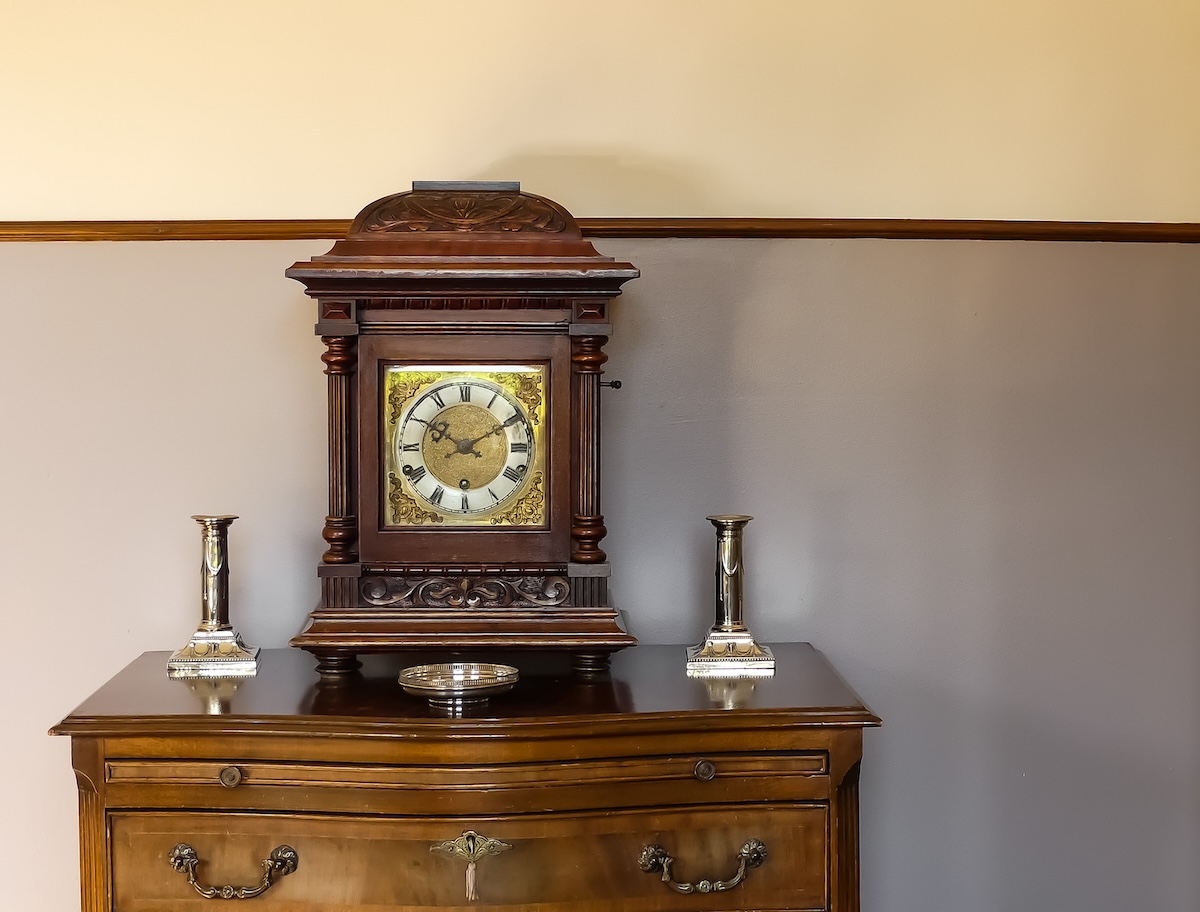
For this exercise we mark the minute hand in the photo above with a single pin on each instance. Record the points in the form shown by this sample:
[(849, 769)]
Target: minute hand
[(496, 430)]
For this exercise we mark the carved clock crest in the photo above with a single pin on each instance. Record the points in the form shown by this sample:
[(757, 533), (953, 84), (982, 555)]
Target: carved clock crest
[(465, 210), (464, 327)]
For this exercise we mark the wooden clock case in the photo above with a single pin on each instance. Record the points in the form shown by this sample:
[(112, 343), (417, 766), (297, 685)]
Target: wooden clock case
[(463, 274)]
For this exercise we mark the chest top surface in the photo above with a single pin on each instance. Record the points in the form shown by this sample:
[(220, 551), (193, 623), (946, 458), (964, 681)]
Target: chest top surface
[(647, 685)]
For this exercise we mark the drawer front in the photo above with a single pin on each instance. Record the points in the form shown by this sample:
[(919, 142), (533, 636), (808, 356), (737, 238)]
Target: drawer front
[(258, 785), (578, 861)]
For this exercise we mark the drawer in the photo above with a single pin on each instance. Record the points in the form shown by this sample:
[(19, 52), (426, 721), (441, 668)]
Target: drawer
[(543, 861), (467, 790)]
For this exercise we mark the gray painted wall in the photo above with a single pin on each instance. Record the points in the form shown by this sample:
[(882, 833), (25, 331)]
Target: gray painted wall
[(973, 467)]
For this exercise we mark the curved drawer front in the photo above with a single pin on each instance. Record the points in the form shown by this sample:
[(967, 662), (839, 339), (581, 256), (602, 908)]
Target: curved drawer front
[(587, 861), (488, 789)]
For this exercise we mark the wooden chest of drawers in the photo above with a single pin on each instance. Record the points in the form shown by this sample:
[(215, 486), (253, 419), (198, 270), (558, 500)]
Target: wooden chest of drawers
[(646, 790)]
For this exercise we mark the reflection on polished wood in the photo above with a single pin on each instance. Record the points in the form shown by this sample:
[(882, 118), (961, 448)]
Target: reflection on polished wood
[(288, 696)]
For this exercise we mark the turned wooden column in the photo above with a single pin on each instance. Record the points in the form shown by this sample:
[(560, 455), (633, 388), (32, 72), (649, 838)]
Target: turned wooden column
[(587, 523), (341, 526), (338, 572)]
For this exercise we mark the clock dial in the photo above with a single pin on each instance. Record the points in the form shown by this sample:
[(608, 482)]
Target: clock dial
[(465, 445)]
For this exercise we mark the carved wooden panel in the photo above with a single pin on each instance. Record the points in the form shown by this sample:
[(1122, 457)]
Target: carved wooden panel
[(463, 210), (476, 591)]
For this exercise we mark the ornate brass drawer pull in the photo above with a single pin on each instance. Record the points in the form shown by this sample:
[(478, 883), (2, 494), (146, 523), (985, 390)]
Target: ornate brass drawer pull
[(470, 847), (283, 861), (655, 858)]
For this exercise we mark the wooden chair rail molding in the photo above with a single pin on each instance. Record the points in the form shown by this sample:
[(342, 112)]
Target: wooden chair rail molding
[(912, 229)]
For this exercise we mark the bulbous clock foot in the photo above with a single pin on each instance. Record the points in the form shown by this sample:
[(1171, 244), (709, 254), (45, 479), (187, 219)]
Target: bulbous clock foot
[(591, 664), (336, 664)]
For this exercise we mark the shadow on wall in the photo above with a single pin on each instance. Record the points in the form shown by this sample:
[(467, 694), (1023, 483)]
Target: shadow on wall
[(674, 446), (609, 184), (662, 424)]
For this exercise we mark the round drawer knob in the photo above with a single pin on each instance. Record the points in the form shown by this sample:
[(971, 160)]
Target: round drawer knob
[(231, 776), (704, 770)]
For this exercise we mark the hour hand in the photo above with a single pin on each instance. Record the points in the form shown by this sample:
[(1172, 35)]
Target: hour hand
[(438, 431)]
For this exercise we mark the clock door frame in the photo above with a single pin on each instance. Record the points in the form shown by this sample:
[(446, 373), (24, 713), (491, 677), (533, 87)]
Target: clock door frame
[(382, 547)]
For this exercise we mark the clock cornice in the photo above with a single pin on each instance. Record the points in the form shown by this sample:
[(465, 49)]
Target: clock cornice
[(468, 233)]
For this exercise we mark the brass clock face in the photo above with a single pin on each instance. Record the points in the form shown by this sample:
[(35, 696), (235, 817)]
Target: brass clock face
[(464, 445)]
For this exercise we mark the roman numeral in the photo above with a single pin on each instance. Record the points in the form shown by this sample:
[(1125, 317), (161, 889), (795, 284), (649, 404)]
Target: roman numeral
[(494, 497), (465, 506), (436, 496), (436, 396), (410, 447), (493, 399), (513, 474), (415, 474), (518, 447), (464, 392)]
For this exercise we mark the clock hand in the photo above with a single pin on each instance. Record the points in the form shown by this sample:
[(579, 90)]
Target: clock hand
[(465, 447), (468, 446), (438, 430), (516, 416)]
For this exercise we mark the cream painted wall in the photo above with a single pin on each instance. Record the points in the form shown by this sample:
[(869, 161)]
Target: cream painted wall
[(1073, 109)]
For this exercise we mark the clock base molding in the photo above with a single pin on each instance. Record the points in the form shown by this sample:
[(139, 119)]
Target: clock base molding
[(336, 637), (395, 608)]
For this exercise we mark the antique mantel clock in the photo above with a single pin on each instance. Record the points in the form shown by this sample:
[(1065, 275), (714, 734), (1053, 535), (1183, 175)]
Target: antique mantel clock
[(464, 326)]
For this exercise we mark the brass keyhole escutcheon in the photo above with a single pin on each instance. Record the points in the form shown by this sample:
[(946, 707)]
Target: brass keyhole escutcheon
[(704, 770), (230, 777), (471, 847)]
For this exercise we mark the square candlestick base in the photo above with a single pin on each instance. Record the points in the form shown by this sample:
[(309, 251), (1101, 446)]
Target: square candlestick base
[(728, 654), (214, 654)]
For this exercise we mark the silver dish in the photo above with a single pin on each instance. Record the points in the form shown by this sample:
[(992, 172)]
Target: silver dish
[(456, 683)]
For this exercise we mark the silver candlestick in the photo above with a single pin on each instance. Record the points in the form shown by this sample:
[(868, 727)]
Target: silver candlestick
[(215, 650), (729, 649)]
